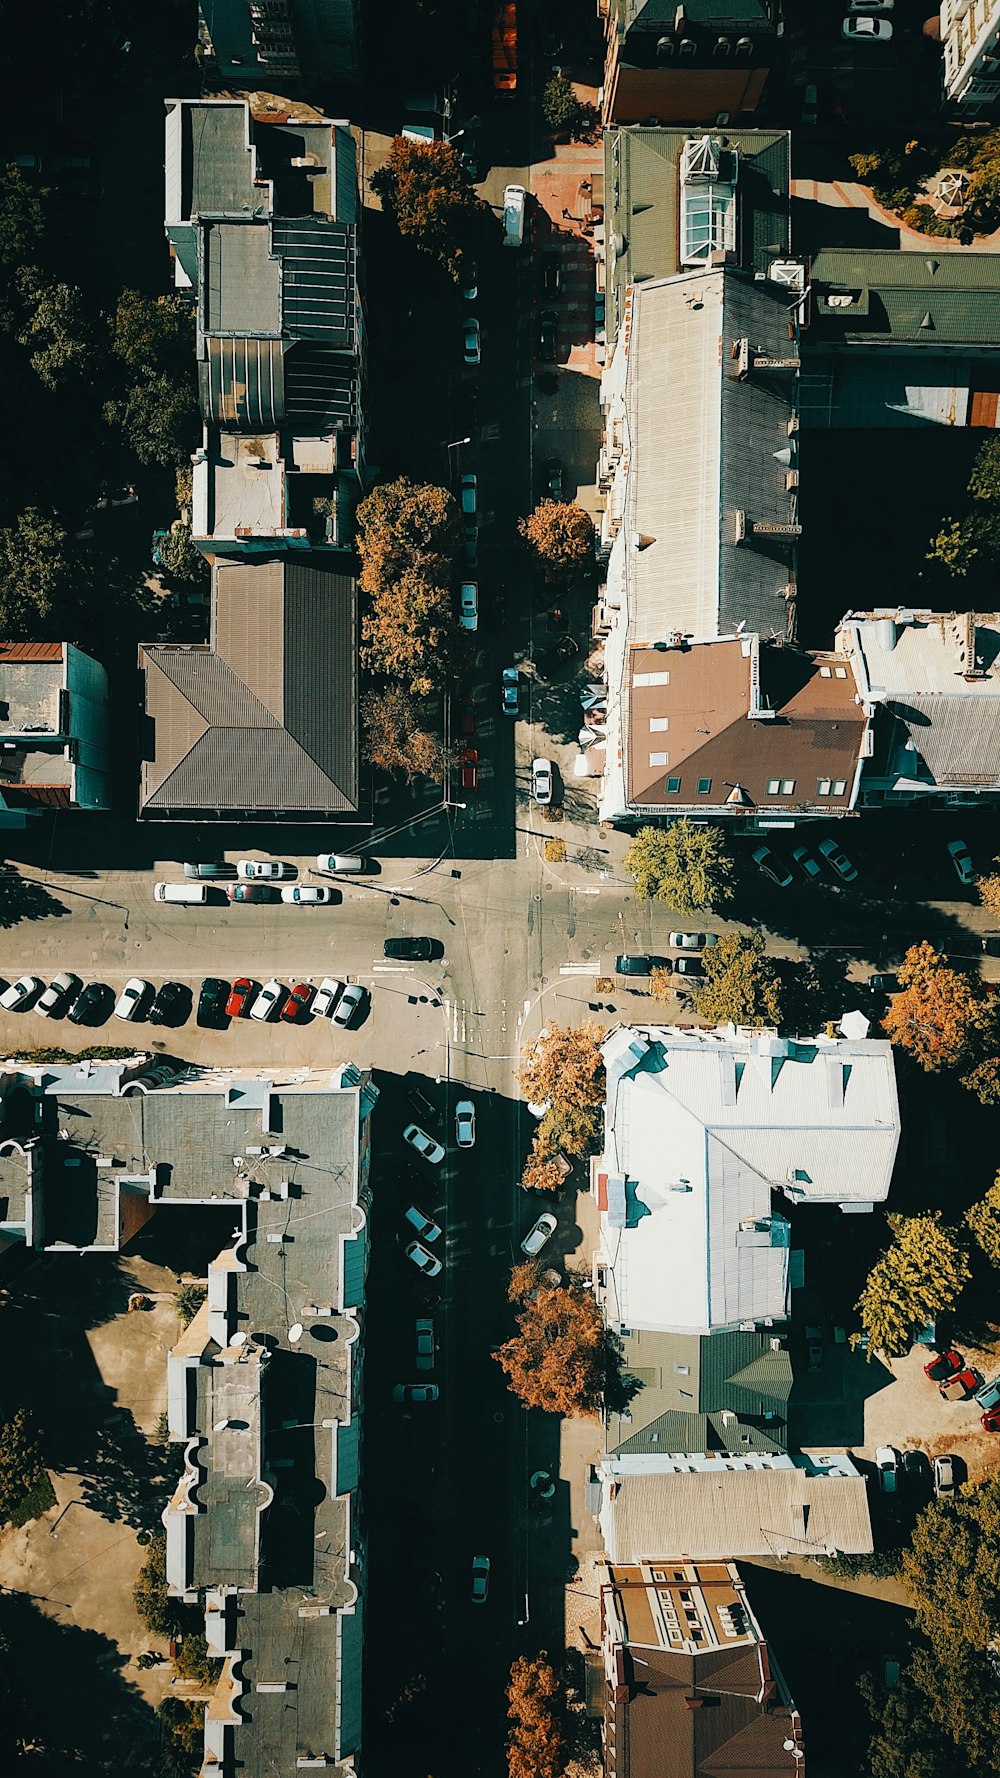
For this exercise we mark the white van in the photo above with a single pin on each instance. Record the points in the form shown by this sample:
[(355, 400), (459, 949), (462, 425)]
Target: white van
[(513, 215), (180, 892)]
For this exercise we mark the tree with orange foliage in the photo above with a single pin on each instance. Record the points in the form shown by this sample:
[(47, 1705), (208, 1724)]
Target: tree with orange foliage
[(544, 1171), (537, 1744), (559, 1358), (564, 1066), (937, 1016), (426, 189), (560, 535)]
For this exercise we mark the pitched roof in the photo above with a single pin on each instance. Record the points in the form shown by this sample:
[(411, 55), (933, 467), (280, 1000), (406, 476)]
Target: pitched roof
[(740, 1728), (716, 1511), (265, 717), (689, 1381), (920, 299)]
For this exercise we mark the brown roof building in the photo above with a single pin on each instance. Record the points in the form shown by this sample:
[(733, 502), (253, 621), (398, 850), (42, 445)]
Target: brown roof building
[(738, 727), (692, 1690), (263, 719)]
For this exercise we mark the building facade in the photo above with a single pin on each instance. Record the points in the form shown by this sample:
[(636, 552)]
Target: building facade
[(705, 61), (970, 37), (255, 42), (55, 730)]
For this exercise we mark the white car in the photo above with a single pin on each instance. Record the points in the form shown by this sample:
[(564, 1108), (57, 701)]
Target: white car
[(265, 870), (537, 1236), (541, 781), (425, 1145), (417, 1392), (61, 990), (133, 998), (307, 894), (20, 993), (965, 870), (465, 1123), (944, 1475), (425, 1226), (887, 1462), (327, 995), (861, 27), (693, 941), (838, 860), (425, 1262), (344, 863), (268, 1000), (350, 1001), (468, 605)]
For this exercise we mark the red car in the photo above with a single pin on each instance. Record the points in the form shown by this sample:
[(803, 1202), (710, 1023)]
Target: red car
[(470, 769), (959, 1387), (468, 709), (240, 995), (298, 1002), (991, 1420), (945, 1365)]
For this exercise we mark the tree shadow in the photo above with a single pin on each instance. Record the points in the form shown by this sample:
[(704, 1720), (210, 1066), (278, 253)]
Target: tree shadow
[(23, 899), (126, 1479)]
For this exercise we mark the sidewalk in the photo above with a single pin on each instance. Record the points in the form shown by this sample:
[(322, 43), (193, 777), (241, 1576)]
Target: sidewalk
[(581, 1445), (846, 194)]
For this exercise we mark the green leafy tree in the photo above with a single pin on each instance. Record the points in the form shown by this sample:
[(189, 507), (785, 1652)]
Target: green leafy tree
[(908, 1740), (189, 1300), (158, 416), (560, 536), (22, 1466), (984, 1221), (22, 231), (561, 108), (40, 581), (396, 736), (918, 1277), (684, 864), (426, 189), (741, 983), (57, 330), (569, 1129), (967, 543), (180, 558), (193, 1661), (984, 1080), (156, 406), (161, 1613), (148, 333)]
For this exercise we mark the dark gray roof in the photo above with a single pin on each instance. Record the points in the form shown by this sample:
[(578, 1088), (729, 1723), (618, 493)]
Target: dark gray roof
[(317, 279), (755, 416), (926, 299), (690, 1380), (265, 718), (216, 160), (242, 383)]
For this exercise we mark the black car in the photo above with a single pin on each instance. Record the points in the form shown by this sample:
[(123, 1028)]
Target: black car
[(633, 963), (554, 478), (551, 275), (210, 872), (168, 1003), (93, 1003), (212, 1001), (548, 333), (409, 950)]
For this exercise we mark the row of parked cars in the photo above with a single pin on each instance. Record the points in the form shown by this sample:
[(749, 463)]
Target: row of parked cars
[(958, 1381), (258, 879), (831, 853), (66, 997)]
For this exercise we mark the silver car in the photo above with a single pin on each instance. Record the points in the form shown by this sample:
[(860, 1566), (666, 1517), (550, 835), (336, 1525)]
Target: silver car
[(350, 1003), (465, 1123), (539, 1234), (63, 988)]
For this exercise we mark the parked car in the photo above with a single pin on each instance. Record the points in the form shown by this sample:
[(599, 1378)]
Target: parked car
[(415, 1392), (269, 1001), (965, 870), (469, 763), (510, 691), (345, 864), (91, 1004), (772, 866), (539, 1233), (21, 993), (944, 1475), (470, 340), (327, 994), (991, 1420), (210, 872), (266, 870), (425, 1345), (960, 1386), (633, 963), (241, 997), (815, 1352), (212, 998), (470, 546), (425, 1145), (467, 716), (883, 981), (689, 966), (861, 27), (554, 478), (551, 275), (298, 1002), (693, 941), (887, 1463), (480, 1579), (916, 1467), (988, 1394), (349, 1005), (133, 999), (412, 950), (308, 894), (838, 860), (548, 333), (802, 856), (169, 1001), (425, 1262), (944, 1365), (55, 1000), (541, 781), (247, 892), (470, 279), (469, 495), (465, 1123), (468, 605), (418, 1219)]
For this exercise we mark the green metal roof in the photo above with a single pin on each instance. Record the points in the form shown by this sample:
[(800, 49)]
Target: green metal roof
[(699, 12), (735, 1371), (917, 298)]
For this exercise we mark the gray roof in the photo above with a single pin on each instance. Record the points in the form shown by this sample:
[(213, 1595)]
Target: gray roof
[(956, 739), (689, 1380), (241, 281), (265, 718), (718, 1513), (209, 161), (926, 300)]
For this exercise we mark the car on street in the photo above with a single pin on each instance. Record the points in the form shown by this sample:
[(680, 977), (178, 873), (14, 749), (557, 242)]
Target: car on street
[(510, 691), (470, 340), (265, 870), (53, 1003), (425, 1226), (469, 279), (554, 479), (862, 27), (944, 1475), (539, 1233), (169, 1001), (425, 1262), (470, 546), (551, 275), (965, 870), (883, 981), (425, 1345), (815, 1352), (21, 993), (212, 998), (465, 1123), (548, 333), (269, 1001), (327, 994), (425, 1145), (133, 999), (241, 996), (887, 1464), (802, 856), (308, 894), (246, 892), (693, 941), (988, 1394), (960, 1386), (468, 605), (415, 1392), (92, 1004), (467, 716), (210, 872), (469, 495), (772, 866), (693, 966), (469, 763), (349, 1005), (480, 1579), (944, 1365), (345, 864), (541, 781), (410, 950), (838, 860), (298, 1002), (633, 963)]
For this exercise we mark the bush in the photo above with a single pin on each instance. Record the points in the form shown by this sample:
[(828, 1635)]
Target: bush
[(95, 1053), (555, 851), (561, 108), (189, 1300), (161, 1613), (882, 1564), (23, 1477)]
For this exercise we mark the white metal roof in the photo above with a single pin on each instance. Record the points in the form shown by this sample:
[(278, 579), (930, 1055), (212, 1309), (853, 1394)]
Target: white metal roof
[(733, 1508)]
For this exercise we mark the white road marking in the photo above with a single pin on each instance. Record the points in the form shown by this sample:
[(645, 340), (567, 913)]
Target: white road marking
[(577, 969), (392, 969)]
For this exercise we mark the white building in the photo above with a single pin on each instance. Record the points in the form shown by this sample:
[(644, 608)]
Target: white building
[(970, 35)]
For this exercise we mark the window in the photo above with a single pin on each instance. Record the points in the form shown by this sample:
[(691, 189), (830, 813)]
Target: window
[(839, 786), (704, 786), (658, 725), (826, 673), (658, 759), (673, 785), (682, 1370), (824, 786), (773, 786), (788, 786), (840, 672), (651, 679)]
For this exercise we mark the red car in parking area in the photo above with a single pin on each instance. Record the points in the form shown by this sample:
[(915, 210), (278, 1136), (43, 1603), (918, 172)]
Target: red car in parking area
[(240, 995), (945, 1365), (991, 1420), (470, 769), (959, 1387), (298, 1002)]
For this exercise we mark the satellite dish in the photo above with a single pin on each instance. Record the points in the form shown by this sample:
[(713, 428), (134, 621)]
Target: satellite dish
[(295, 1333), (238, 1339)]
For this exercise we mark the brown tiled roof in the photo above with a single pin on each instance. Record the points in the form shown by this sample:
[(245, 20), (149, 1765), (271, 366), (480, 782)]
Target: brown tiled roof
[(700, 699), (658, 1734), (31, 651)]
